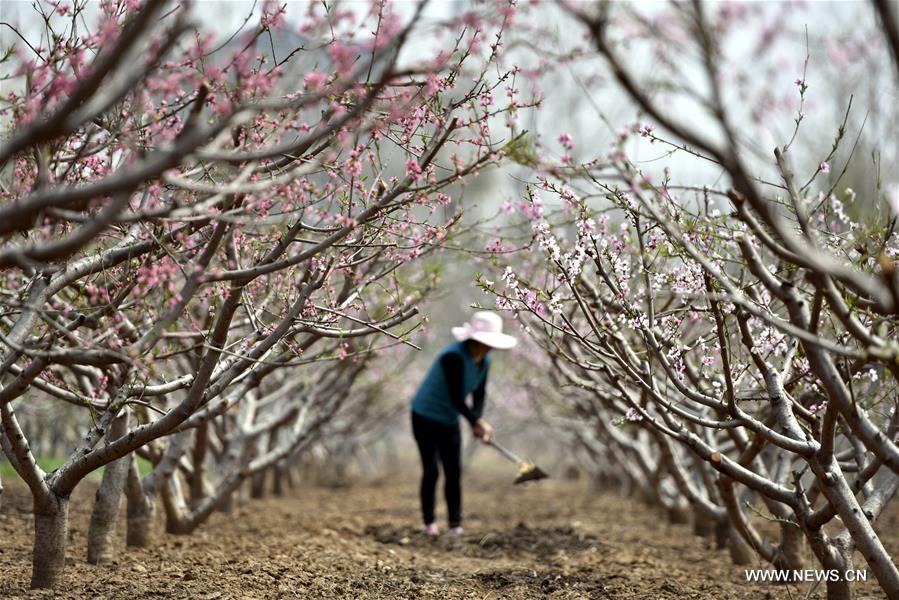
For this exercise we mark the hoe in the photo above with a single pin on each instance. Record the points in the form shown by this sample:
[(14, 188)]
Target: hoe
[(527, 471)]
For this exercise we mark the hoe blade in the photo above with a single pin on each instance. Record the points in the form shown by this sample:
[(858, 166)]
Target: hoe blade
[(528, 471)]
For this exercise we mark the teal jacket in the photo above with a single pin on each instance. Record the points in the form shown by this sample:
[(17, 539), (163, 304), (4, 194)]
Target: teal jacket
[(452, 377)]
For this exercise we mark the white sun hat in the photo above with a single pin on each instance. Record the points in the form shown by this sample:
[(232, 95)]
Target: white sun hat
[(487, 328)]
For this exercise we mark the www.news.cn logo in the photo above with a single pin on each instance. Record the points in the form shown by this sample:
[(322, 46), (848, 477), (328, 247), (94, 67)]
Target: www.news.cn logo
[(804, 575)]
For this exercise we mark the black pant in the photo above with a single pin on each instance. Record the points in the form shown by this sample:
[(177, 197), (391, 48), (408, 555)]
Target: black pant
[(435, 440)]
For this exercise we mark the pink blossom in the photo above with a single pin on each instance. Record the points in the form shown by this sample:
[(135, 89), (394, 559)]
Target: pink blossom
[(472, 19), (343, 56), (433, 85), (314, 81), (344, 221), (272, 14), (414, 170), (824, 167)]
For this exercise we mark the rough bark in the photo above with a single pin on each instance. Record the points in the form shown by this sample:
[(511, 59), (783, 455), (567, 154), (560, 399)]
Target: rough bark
[(51, 527), (833, 554), (278, 477), (740, 552), (184, 520), (702, 525), (841, 560), (789, 552), (106, 506), (289, 477), (258, 479), (198, 486), (141, 509), (178, 519), (678, 513), (840, 495), (741, 526), (227, 505), (257, 484)]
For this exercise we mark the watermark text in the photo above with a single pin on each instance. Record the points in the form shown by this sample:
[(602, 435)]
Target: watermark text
[(804, 575)]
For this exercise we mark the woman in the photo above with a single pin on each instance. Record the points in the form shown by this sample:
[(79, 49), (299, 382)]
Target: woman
[(458, 371)]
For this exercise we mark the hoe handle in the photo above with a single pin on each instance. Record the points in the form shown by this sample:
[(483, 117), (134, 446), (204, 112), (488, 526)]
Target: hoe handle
[(508, 454)]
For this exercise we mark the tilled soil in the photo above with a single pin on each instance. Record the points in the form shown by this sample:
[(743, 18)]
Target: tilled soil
[(552, 539)]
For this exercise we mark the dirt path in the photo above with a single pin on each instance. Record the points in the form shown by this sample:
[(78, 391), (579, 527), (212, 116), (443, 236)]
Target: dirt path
[(553, 539)]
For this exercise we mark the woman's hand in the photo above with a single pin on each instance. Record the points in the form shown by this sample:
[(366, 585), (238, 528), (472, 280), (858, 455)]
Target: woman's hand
[(482, 430)]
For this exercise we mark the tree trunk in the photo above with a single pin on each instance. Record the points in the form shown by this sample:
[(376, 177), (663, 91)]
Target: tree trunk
[(141, 509), (257, 484), (227, 505), (838, 588), (184, 520), (178, 519), (51, 527), (277, 479), (106, 506), (840, 495), (722, 534), (740, 552), (290, 476), (198, 480), (257, 487), (242, 494), (840, 559), (678, 512), (703, 526), (834, 554), (789, 551)]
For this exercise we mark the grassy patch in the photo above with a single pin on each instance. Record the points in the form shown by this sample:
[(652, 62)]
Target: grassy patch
[(50, 463)]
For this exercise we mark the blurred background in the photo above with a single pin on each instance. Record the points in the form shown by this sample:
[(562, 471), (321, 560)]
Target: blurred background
[(829, 46)]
